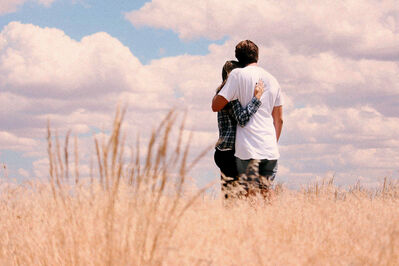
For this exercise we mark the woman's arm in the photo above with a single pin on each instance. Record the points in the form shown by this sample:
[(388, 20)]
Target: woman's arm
[(242, 115)]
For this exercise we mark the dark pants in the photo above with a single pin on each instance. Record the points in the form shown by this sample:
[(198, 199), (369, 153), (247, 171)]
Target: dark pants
[(256, 174), (226, 161)]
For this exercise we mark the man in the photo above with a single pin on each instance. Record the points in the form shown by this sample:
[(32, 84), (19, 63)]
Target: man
[(257, 141)]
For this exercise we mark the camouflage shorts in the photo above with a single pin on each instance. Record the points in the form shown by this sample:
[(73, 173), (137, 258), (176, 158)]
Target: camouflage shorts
[(256, 175)]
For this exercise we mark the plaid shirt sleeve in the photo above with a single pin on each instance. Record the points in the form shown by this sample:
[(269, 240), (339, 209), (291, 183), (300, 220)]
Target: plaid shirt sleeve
[(242, 115)]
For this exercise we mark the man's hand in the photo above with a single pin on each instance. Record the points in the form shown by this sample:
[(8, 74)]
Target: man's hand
[(259, 89), (277, 115), (218, 103)]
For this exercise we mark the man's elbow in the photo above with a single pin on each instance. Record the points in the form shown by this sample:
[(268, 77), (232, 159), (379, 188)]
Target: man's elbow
[(218, 103), (215, 108), (278, 121)]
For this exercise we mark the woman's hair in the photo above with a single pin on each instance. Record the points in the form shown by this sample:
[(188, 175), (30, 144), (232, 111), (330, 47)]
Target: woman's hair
[(227, 68)]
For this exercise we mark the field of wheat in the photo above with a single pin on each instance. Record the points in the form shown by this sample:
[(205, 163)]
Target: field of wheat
[(142, 213)]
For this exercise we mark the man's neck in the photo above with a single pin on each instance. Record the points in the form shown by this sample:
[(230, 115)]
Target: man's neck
[(253, 64)]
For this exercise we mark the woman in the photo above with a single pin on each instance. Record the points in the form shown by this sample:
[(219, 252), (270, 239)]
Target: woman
[(228, 118)]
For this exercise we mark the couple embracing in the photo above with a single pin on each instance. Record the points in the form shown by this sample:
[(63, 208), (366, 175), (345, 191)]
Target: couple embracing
[(250, 118)]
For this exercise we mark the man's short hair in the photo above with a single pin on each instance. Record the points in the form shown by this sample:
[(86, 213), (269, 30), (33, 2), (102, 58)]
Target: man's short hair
[(247, 52)]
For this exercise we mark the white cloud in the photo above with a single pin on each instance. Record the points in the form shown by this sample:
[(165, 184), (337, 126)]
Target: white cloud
[(46, 74), (353, 28), (346, 141), (9, 141), (335, 121), (333, 80), (41, 167), (33, 60), (23, 173), (9, 6), (322, 124)]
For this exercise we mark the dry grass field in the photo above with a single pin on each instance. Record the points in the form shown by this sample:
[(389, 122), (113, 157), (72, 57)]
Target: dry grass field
[(138, 213)]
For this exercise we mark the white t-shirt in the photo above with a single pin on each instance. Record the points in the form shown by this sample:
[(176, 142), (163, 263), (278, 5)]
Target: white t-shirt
[(257, 140)]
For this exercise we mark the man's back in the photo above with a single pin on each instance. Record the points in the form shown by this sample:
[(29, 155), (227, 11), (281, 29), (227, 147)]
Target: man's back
[(257, 140)]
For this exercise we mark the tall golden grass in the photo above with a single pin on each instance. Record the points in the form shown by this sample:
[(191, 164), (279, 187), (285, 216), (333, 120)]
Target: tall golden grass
[(139, 213)]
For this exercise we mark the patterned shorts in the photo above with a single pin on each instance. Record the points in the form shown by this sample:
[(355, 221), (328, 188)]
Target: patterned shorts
[(256, 175)]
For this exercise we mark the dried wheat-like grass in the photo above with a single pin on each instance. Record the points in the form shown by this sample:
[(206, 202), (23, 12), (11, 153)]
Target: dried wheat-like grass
[(139, 213)]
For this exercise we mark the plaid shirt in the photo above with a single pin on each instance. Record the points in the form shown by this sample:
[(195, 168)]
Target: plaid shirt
[(228, 117)]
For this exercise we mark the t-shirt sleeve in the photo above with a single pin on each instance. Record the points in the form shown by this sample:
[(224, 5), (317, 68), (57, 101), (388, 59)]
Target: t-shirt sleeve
[(230, 89), (279, 99)]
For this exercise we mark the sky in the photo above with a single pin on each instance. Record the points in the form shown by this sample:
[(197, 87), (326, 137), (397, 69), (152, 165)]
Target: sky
[(73, 61)]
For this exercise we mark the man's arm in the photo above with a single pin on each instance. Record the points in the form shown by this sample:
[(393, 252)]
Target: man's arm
[(218, 102), (277, 115)]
